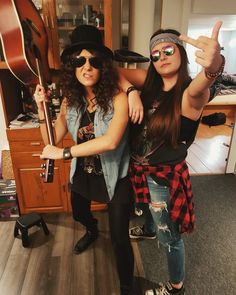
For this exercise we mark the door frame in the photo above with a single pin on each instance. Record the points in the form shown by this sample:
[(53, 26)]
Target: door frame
[(231, 159)]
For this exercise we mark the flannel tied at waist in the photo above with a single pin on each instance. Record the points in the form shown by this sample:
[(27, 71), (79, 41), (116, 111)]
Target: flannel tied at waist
[(181, 206)]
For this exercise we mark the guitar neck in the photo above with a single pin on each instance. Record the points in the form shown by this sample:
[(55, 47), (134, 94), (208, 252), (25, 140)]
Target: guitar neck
[(45, 106), (49, 166)]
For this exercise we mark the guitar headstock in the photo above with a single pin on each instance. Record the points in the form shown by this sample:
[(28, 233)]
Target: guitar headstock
[(49, 171)]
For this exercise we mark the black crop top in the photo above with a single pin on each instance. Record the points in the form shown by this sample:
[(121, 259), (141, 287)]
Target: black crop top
[(166, 154)]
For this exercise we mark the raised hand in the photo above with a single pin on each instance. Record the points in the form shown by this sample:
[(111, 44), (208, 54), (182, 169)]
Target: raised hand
[(208, 55)]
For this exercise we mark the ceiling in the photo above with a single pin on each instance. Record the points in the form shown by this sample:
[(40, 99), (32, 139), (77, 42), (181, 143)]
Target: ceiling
[(205, 21)]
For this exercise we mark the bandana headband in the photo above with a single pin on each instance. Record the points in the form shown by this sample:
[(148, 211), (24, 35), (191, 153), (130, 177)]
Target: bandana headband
[(164, 37)]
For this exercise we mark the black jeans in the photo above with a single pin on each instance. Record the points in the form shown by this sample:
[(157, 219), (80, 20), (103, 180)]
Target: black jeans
[(119, 214)]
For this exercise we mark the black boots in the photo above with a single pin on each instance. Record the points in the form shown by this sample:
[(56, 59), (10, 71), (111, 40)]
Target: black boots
[(90, 236), (85, 241)]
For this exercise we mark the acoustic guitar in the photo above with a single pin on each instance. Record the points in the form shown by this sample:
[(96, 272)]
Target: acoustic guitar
[(25, 49)]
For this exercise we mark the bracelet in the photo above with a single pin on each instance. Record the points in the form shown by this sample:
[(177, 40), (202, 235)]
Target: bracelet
[(210, 75), (41, 121), (67, 153), (130, 89)]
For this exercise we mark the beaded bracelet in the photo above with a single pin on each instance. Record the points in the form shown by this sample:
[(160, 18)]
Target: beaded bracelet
[(130, 89), (210, 75)]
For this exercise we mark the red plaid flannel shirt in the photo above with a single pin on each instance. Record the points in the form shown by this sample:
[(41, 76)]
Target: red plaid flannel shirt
[(181, 206)]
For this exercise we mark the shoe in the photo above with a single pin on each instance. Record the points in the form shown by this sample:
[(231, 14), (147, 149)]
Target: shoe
[(165, 289), (138, 232), (85, 242)]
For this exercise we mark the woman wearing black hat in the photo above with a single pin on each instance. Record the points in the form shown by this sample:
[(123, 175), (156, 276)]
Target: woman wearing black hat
[(95, 112)]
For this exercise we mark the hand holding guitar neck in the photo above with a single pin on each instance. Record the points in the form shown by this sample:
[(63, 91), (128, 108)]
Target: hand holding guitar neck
[(40, 96)]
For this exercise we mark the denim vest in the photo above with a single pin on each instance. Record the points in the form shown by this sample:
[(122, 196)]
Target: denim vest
[(114, 163)]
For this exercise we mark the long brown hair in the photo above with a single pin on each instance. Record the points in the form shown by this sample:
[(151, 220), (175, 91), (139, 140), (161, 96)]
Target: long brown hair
[(164, 124), (104, 90)]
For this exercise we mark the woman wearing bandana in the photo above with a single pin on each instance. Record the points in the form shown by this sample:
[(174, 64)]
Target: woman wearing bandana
[(173, 104), (95, 113)]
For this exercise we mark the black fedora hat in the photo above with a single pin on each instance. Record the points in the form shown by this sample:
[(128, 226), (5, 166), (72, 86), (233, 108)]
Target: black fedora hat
[(86, 37)]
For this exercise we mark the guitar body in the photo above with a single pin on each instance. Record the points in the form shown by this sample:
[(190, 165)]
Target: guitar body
[(22, 33)]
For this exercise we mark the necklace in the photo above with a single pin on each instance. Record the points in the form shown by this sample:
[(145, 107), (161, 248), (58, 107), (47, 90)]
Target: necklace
[(88, 115)]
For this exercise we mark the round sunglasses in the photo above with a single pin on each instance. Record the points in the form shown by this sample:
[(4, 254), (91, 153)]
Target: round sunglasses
[(95, 62), (167, 50)]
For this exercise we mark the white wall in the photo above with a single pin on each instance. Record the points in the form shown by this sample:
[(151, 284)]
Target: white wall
[(214, 6), (175, 15), (231, 53), (141, 25)]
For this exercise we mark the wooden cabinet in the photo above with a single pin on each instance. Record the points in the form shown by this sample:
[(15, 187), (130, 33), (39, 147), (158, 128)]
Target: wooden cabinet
[(34, 195)]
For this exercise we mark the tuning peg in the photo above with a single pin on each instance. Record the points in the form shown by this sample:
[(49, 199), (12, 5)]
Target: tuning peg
[(43, 166), (42, 174)]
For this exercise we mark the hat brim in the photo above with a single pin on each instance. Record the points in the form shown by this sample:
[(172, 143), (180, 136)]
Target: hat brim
[(86, 45)]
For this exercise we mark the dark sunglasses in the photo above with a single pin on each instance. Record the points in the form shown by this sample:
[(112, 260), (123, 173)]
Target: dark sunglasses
[(95, 62), (167, 50)]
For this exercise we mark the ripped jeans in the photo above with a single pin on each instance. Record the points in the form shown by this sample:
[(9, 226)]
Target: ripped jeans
[(167, 231)]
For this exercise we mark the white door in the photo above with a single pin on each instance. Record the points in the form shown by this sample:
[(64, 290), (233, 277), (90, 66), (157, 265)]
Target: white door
[(231, 163)]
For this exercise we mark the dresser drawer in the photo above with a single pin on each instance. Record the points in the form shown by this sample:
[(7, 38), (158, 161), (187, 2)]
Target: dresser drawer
[(26, 146), (27, 159)]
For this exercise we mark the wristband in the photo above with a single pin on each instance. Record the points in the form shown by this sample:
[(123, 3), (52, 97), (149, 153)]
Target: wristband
[(67, 153), (130, 89), (41, 121), (210, 75)]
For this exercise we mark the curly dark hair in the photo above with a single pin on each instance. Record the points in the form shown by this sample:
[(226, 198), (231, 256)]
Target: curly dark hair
[(104, 90), (164, 124)]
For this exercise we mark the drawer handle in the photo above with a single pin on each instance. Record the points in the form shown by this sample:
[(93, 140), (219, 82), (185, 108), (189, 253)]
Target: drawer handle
[(35, 143), (36, 155)]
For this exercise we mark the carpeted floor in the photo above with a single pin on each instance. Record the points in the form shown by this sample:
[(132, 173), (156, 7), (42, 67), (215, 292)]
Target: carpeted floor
[(211, 249)]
